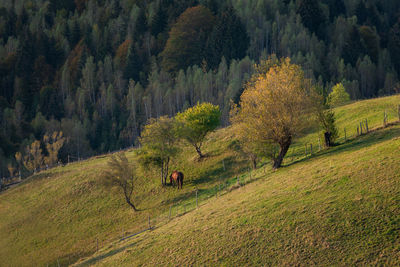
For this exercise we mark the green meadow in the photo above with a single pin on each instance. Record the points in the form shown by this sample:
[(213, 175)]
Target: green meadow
[(335, 207)]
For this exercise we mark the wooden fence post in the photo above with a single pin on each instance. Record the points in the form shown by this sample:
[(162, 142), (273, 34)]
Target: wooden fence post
[(319, 143), (398, 111), (223, 164), (310, 149), (237, 180), (170, 208), (149, 222), (97, 245), (361, 132), (366, 125), (384, 116), (197, 202), (345, 136), (358, 131), (305, 151)]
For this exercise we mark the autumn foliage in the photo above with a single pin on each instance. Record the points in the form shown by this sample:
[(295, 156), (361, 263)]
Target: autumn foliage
[(187, 39), (273, 110)]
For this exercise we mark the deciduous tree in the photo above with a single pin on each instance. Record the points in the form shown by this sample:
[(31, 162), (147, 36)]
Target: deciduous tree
[(338, 96), (187, 39), (159, 145), (53, 144), (195, 123), (121, 173), (275, 109), (33, 158)]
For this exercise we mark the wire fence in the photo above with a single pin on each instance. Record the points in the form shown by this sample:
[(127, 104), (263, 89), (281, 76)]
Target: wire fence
[(345, 134), (201, 196), (189, 203), (8, 182)]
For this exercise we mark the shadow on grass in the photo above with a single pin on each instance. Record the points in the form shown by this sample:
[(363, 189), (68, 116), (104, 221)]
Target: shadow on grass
[(224, 171), (219, 174), (110, 253), (356, 143)]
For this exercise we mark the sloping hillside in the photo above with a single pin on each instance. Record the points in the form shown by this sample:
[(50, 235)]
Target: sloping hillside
[(338, 208), (312, 210)]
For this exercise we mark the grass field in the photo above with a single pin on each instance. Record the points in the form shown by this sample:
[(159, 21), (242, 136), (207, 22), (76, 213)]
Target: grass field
[(339, 206)]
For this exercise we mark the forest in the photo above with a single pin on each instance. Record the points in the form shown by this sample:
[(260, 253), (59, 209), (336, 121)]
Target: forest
[(98, 70)]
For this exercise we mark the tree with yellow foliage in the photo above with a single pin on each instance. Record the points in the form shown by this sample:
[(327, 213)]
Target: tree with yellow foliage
[(159, 145), (53, 144), (33, 158), (338, 96), (196, 122), (274, 109)]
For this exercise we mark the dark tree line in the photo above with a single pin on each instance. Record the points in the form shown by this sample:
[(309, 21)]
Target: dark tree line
[(97, 70)]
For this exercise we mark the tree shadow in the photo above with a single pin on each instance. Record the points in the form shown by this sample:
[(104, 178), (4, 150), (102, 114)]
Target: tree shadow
[(224, 171), (110, 253)]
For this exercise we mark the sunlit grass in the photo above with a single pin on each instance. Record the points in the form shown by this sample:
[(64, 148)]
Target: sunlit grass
[(339, 208), (58, 215)]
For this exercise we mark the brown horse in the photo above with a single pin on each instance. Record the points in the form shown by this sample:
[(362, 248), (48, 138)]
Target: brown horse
[(176, 177)]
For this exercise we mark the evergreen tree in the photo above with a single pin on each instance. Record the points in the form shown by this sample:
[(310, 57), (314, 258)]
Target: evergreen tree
[(228, 39), (140, 24), (133, 65), (311, 15), (159, 21), (394, 46), (336, 8), (353, 47)]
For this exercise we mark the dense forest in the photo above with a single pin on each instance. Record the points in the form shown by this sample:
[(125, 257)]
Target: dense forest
[(97, 70)]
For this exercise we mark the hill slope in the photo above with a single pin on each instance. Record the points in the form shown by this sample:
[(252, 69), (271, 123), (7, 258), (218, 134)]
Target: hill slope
[(59, 214), (338, 208)]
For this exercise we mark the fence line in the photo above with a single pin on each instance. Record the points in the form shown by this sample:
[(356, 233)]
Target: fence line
[(6, 182), (361, 127), (196, 199)]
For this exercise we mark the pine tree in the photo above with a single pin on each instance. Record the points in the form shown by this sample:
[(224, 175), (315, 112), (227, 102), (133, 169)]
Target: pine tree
[(228, 39), (311, 15), (133, 65), (159, 21), (394, 46)]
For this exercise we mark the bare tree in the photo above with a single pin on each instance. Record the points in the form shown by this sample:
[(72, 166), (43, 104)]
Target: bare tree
[(121, 173)]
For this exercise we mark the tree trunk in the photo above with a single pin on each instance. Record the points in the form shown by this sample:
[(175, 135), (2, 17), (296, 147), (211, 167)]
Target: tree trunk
[(328, 142), (162, 173), (166, 171), (284, 147), (199, 152), (131, 204), (128, 197), (253, 159)]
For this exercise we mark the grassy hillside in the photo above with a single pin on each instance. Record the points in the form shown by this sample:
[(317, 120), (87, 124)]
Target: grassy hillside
[(315, 209), (338, 208), (60, 214)]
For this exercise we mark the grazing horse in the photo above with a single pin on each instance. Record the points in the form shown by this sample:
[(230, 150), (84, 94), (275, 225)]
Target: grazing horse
[(176, 177)]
